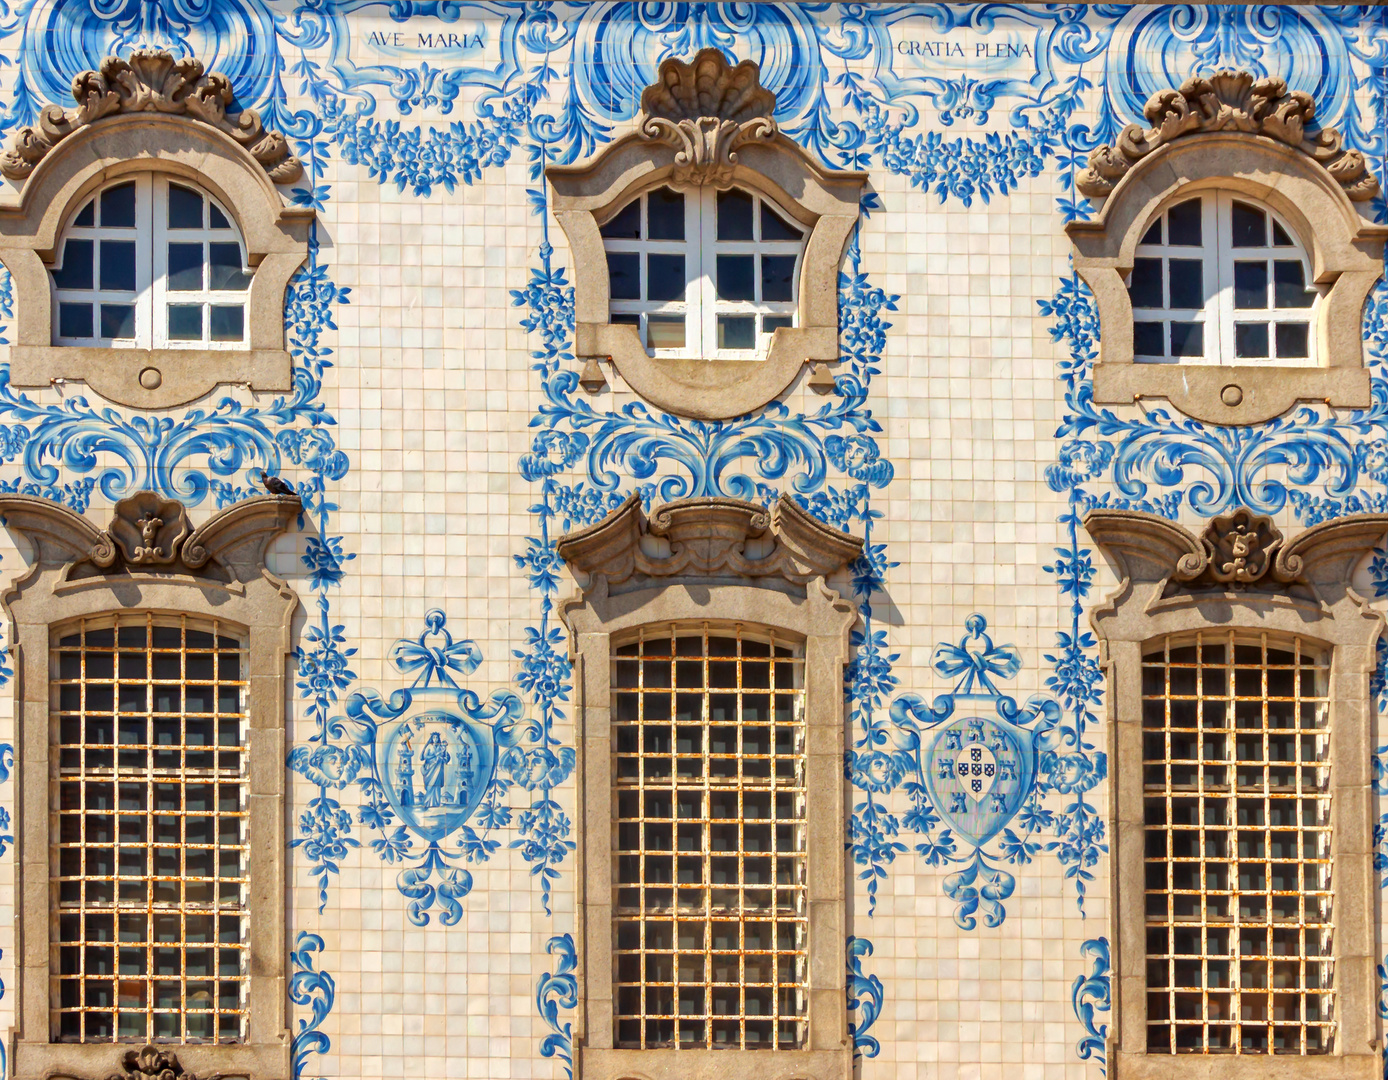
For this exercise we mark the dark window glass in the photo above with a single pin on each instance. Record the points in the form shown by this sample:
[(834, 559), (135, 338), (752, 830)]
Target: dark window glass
[(1187, 339), (1293, 341), (185, 322), (228, 322), (626, 225), (734, 215), (1250, 284), (624, 275), (1289, 284), (87, 215), (1250, 340), (625, 319), (76, 272), (118, 207), (775, 227), (117, 321), (118, 265), (1145, 284), (224, 266), (1280, 237), (1186, 282), (1183, 224), (737, 331), (1153, 234), (185, 267), (1149, 339), (665, 278), (75, 320), (1250, 226), (185, 208), (775, 322), (665, 215), (735, 280), (777, 277), (218, 219)]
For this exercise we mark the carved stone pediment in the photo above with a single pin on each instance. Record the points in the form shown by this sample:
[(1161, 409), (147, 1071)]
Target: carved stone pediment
[(709, 537), (1229, 101), (151, 534), (149, 1063), (152, 80), (1240, 548), (706, 109)]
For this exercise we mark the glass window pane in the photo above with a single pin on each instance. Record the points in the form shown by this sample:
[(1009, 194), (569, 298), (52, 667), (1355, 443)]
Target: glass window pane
[(224, 268), (185, 267), (665, 331), (1186, 282), (1144, 285), (1289, 284), (1183, 224), (735, 281), (775, 227), (1149, 339), (626, 225), (216, 217), (118, 206), (737, 331), (228, 322), (624, 318), (118, 265), (74, 320), (778, 278), (624, 275), (1187, 339), (771, 323), (1279, 236), (185, 322), (185, 208), (665, 215), (118, 321), (1250, 226), (1293, 341), (86, 216), (734, 215), (1250, 284), (1153, 234), (665, 278), (1251, 340), (76, 272)]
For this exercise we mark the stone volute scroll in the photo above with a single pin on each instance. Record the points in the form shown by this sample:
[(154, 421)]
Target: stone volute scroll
[(1251, 137), (707, 121)]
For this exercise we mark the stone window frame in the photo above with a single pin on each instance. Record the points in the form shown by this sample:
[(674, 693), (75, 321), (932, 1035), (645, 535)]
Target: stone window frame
[(150, 114), (1232, 132), (214, 571), (720, 562), (1240, 574), (689, 137)]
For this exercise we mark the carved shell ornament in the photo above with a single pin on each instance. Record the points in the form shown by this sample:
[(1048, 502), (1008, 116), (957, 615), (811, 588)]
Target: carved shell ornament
[(706, 109), (152, 80), (1229, 101), (149, 1063)]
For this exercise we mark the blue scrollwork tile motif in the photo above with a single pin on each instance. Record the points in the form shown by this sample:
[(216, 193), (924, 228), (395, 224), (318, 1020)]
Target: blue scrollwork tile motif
[(1090, 996), (314, 989), (865, 997), (556, 991)]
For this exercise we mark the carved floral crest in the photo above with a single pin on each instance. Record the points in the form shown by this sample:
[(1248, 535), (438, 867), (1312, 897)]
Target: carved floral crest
[(152, 80), (1229, 101), (1240, 548), (706, 109), (148, 1063)]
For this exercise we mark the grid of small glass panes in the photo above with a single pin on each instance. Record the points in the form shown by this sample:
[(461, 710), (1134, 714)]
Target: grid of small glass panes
[(709, 919), (1218, 279), (150, 863), (1237, 809), (150, 263), (702, 272)]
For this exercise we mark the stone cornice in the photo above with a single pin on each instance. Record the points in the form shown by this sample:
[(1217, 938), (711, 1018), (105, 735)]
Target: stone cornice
[(1229, 101), (154, 81), (710, 538)]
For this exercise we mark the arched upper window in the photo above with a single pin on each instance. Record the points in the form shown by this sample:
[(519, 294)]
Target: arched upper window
[(703, 273), (151, 263), (1219, 279)]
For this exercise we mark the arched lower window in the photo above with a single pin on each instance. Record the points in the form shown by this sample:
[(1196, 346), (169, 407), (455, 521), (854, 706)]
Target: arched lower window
[(703, 273), (1218, 279), (151, 262)]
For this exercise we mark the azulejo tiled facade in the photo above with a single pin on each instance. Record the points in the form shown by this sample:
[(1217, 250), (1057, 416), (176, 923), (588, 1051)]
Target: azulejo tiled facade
[(506, 435)]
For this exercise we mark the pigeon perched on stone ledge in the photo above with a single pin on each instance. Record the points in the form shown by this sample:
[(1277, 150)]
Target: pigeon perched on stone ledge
[(274, 485)]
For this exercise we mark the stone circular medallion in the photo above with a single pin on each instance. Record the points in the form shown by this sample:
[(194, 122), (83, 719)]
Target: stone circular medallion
[(1231, 395), (150, 378)]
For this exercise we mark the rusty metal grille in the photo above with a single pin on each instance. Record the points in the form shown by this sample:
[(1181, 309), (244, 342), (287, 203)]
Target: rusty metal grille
[(150, 864), (1237, 802), (709, 919)]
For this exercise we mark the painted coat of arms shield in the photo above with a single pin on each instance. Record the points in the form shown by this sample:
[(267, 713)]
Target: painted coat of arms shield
[(978, 771)]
